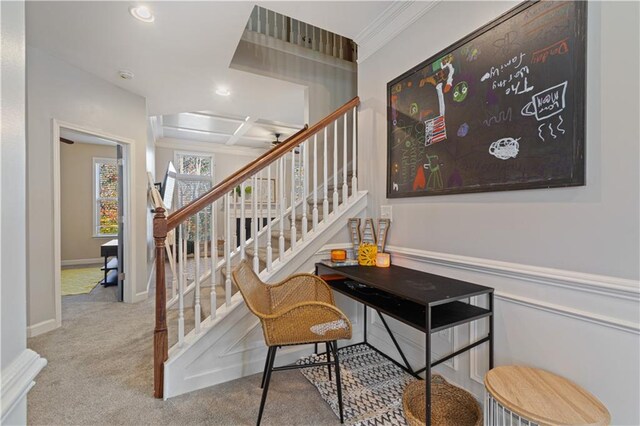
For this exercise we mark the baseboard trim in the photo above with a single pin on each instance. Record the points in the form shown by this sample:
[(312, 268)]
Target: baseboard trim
[(621, 288), (75, 262), (42, 327), (18, 378)]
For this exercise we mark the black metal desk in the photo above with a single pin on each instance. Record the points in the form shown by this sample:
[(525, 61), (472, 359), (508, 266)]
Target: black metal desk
[(427, 302)]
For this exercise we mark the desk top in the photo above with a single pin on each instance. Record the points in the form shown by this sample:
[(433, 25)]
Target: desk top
[(419, 287)]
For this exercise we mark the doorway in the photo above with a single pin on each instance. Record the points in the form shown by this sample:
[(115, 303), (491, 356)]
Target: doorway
[(91, 206)]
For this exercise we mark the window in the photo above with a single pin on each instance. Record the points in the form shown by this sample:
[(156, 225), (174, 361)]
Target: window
[(105, 197), (195, 177)]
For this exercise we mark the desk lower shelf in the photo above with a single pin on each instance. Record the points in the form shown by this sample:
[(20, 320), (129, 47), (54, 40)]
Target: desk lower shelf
[(443, 316)]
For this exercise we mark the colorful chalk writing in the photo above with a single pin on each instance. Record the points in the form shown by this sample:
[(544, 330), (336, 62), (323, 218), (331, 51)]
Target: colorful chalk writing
[(501, 109)]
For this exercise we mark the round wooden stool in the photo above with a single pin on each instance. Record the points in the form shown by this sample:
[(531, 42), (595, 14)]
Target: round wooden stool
[(530, 396)]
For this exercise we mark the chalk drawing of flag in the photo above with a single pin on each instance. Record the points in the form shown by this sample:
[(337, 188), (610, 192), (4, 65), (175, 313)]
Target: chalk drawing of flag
[(435, 130)]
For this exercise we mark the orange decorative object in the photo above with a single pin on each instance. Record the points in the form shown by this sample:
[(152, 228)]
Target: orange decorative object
[(383, 260), (338, 255), (367, 254)]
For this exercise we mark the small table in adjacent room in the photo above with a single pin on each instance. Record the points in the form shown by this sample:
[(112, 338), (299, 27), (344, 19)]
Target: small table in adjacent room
[(110, 268), (427, 302)]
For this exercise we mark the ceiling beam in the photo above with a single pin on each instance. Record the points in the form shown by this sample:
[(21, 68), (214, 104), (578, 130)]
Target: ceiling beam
[(241, 130)]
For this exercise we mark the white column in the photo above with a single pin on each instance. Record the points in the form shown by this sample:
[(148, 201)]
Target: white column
[(269, 248), (214, 259), (254, 224), (227, 251), (281, 203), (325, 201), (243, 228), (354, 154), (181, 271), (314, 213), (196, 253), (305, 189), (336, 197), (345, 143), (293, 200)]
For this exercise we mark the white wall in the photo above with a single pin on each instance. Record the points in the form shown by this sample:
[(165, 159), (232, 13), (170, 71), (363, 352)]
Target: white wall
[(18, 365), (580, 318), (57, 90)]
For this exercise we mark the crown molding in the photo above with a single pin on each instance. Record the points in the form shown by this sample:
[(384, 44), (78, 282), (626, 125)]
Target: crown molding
[(391, 22), (182, 144)]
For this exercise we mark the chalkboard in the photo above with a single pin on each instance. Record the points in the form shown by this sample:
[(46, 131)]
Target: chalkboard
[(501, 109)]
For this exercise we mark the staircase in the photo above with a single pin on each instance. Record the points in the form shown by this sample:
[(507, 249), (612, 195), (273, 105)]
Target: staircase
[(277, 212)]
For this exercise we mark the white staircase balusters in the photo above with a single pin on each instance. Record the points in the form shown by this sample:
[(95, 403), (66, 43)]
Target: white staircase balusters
[(196, 253), (269, 248), (243, 228), (281, 207), (259, 23), (227, 250), (236, 222), (336, 197), (214, 259), (292, 240), (314, 213), (325, 159), (345, 186), (305, 189), (354, 154), (181, 279), (254, 223)]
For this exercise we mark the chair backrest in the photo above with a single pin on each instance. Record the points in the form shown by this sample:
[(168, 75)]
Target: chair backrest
[(255, 292)]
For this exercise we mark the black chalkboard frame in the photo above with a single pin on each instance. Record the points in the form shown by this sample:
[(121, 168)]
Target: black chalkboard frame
[(579, 81)]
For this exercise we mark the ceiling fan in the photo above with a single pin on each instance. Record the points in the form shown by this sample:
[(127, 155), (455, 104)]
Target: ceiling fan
[(277, 141), (65, 140)]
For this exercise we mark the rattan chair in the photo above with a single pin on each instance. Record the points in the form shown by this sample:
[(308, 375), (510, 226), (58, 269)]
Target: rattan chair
[(298, 310)]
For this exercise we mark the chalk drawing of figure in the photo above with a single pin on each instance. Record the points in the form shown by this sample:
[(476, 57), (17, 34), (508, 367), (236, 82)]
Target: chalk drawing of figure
[(434, 181)]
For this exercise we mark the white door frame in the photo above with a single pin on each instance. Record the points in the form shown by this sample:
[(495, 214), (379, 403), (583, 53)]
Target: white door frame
[(129, 208)]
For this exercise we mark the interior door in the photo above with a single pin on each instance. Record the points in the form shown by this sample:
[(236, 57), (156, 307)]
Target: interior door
[(121, 218)]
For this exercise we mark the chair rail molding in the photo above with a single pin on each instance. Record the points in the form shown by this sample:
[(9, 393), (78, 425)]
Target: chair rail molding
[(395, 18), (17, 379)]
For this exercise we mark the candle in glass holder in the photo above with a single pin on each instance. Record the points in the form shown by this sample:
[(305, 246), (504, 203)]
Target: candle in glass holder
[(383, 260)]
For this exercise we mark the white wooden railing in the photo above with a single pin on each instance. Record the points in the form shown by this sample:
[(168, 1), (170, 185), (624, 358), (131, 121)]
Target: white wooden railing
[(273, 24), (292, 184)]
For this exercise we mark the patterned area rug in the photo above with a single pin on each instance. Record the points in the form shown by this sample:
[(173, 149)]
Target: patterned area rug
[(80, 280), (372, 386)]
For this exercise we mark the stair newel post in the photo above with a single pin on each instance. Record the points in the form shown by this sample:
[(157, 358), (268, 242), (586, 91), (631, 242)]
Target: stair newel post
[(214, 259), (314, 213), (345, 144), (196, 254), (354, 153), (254, 223), (227, 249), (293, 200), (269, 248), (305, 189), (160, 337), (336, 197), (281, 203), (243, 224), (325, 201)]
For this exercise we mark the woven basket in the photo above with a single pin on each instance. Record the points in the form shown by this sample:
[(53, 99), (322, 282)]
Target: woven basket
[(450, 405)]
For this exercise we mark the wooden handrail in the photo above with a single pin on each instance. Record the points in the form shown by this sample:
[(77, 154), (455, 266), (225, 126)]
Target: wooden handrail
[(179, 216), (162, 225)]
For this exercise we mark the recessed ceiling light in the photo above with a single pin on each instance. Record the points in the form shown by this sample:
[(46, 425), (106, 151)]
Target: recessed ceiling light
[(142, 13), (222, 91), (125, 75)]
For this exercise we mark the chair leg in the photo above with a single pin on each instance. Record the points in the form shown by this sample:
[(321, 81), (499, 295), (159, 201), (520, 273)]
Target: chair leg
[(334, 346), (266, 364), (271, 357), (328, 347)]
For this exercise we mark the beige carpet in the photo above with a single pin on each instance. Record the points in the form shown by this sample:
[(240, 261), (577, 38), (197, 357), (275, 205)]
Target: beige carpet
[(80, 280), (100, 372)]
